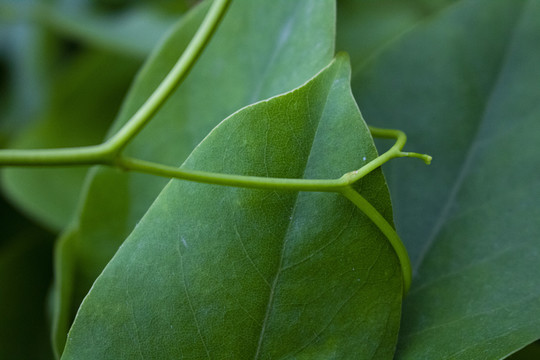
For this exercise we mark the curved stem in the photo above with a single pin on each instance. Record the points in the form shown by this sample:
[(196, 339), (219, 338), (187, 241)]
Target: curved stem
[(84, 155), (387, 230), (254, 182), (106, 153), (259, 182), (177, 74), (393, 152)]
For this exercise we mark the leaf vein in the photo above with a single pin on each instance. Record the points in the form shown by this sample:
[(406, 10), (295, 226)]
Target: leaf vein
[(280, 263), (468, 162), (188, 297)]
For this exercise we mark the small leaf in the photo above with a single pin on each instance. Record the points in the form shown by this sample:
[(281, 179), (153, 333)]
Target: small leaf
[(214, 271)]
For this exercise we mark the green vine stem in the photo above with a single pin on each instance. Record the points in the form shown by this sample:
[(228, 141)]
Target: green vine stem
[(110, 152), (107, 152), (260, 182), (173, 79), (387, 230)]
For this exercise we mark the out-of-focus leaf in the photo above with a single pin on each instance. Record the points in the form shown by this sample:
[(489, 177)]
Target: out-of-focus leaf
[(261, 49), (367, 27), (26, 59), (83, 103), (133, 32), (220, 271), (463, 83), (25, 277)]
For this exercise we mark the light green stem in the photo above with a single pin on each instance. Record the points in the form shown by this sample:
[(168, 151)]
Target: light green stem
[(173, 78), (393, 152), (108, 152), (84, 155), (386, 229), (254, 182), (259, 182)]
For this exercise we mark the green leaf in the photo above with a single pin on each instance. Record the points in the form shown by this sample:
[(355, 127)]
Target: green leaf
[(282, 44), (256, 273), (463, 84), (83, 103)]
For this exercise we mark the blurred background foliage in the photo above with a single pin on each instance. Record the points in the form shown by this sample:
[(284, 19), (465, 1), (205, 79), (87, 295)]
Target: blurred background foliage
[(65, 67)]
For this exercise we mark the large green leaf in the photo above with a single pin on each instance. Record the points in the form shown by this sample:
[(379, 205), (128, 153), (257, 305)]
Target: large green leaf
[(212, 271), (463, 83), (263, 48), (82, 105)]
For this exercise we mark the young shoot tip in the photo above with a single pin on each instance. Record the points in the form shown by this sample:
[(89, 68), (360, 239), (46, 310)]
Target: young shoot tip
[(427, 159)]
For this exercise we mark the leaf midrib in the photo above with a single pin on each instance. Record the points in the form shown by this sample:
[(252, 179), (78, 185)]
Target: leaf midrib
[(467, 163), (358, 67), (291, 217)]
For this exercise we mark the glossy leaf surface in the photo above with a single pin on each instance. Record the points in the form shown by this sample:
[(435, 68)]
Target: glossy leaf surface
[(463, 83), (213, 271), (274, 37)]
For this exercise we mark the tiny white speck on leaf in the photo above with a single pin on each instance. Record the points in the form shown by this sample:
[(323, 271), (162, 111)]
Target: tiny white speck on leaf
[(364, 158), (184, 241)]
